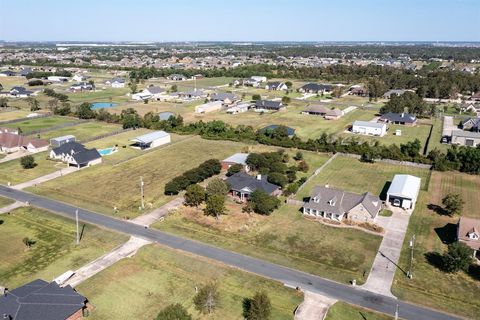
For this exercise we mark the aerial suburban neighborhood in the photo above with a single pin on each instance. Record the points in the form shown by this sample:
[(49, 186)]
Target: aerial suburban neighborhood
[(231, 163)]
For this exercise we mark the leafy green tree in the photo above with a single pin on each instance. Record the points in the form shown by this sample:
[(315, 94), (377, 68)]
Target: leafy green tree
[(130, 118), (195, 195), (174, 312), (453, 203), (85, 111), (215, 205), (298, 156), (256, 97), (259, 307), (303, 166), (286, 100), (289, 84), (263, 203), (458, 257), (28, 162), (33, 103), (217, 186), (3, 102), (234, 169), (133, 87), (174, 88), (207, 298), (278, 179), (376, 89)]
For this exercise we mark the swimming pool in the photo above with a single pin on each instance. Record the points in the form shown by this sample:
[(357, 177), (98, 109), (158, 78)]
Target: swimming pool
[(107, 151), (102, 105)]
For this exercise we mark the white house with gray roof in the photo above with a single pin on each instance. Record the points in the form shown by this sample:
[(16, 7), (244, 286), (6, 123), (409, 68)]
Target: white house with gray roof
[(369, 128), (335, 204)]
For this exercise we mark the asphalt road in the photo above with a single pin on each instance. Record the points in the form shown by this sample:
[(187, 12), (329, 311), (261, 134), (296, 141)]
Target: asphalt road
[(266, 269)]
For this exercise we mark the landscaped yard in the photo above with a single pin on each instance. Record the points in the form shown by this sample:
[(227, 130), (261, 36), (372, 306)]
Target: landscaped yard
[(13, 172), (456, 293), (41, 123), (155, 277), (83, 131), (54, 251), (345, 311), (284, 237), (352, 175)]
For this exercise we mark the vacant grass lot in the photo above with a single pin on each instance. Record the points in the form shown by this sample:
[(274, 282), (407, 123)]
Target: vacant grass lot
[(5, 202), (83, 131), (345, 311), (13, 172), (117, 185), (11, 115), (41, 123), (456, 293), (355, 176), (54, 251), (102, 95), (285, 238), (156, 277)]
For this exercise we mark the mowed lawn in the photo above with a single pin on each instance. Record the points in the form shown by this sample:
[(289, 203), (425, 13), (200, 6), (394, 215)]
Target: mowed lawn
[(457, 293), (105, 186), (284, 237), (117, 95), (40, 123), (54, 251), (141, 286), (12, 115), (5, 202), (352, 175), (13, 172), (83, 131), (345, 311)]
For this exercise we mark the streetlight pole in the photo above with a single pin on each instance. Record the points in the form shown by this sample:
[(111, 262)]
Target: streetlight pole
[(76, 219), (396, 313), (141, 192), (409, 273)]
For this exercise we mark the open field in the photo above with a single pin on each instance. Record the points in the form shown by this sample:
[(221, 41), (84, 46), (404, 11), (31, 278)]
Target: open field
[(118, 185), (40, 123), (156, 277), (345, 311), (101, 95), (5, 202), (12, 115), (54, 251), (355, 176), (9, 82), (83, 131), (456, 293), (13, 172), (284, 237)]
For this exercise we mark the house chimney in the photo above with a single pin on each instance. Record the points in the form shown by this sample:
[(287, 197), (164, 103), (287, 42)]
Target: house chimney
[(259, 177)]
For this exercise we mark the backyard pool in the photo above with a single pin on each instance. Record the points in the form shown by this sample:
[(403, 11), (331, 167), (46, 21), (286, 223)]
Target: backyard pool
[(102, 105), (107, 151)]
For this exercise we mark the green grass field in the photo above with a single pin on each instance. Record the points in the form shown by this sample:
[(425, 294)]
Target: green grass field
[(83, 131), (11, 115), (355, 176), (13, 172), (42, 123), (156, 277), (345, 311), (5, 202), (103, 95), (456, 293), (54, 251)]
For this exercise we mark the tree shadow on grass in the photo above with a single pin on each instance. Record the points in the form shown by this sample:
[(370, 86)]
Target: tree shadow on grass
[(435, 259), (474, 272), (447, 233), (437, 209)]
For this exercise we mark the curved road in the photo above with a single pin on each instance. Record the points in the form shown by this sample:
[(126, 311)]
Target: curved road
[(266, 269)]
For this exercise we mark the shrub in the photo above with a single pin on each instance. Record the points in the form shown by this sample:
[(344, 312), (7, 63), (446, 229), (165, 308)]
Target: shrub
[(28, 162), (174, 312), (263, 203)]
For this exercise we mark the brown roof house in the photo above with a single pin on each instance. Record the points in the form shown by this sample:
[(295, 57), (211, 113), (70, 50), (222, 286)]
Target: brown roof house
[(336, 205), (317, 110), (468, 232), (333, 114)]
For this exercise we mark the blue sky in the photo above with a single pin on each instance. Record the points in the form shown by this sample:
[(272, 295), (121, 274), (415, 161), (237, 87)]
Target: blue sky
[(240, 20)]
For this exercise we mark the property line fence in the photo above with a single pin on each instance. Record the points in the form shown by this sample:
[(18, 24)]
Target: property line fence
[(46, 115), (105, 135), (60, 126)]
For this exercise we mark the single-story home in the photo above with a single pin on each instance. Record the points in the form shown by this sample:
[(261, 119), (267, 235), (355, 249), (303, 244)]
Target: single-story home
[(177, 77), (7, 73), (209, 107), (470, 124), (79, 78), (277, 86), (465, 138), (39, 299), (226, 98), (269, 105), (290, 131), (242, 185), (153, 92), (36, 145), (151, 140), (259, 78), (335, 204), (237, 158), (317, 110), (239, 108), (57, 79), (399, 118), (83, 86), (20, 92), (192, 95), (58, 141), (395, 92), (12, 142), (358, 91), (403, 191), (315, 88), (468, 232), (333, 114), (116, 82), (369, 128), (76, 154)]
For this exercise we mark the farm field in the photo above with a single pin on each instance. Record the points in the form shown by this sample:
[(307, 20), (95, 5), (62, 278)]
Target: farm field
[(54, 251), (118, 185), (13, 172), (83, 131), (40, 123), (157, 277), (338, 254), (345, 311), (12, 115), (456, 293), (355, 176)]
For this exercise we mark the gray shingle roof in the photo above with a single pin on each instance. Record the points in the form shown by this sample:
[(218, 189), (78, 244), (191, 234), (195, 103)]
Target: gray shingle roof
[(86, 156), (69, 148), (242, 180), (399, 117), (268, 104), (41, 300)]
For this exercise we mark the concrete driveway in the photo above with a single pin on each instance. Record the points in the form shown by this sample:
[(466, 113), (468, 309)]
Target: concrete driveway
[(448, 126)]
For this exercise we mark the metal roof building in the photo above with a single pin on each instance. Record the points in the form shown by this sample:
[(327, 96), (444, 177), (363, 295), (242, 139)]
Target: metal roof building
[(403, 192), (151, 140)]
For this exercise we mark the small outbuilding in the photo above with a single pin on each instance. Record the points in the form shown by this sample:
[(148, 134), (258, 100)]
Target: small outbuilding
[(151, 140), (57, 142), (403, 192), (209, 107), (237, 158)]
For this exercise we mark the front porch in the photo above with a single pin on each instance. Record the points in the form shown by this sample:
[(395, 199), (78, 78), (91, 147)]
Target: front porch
[(322, 214)]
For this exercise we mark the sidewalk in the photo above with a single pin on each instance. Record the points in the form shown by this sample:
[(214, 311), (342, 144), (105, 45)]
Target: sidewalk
[(45, 178), (384, 266), (314, 306), (13, 206)]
